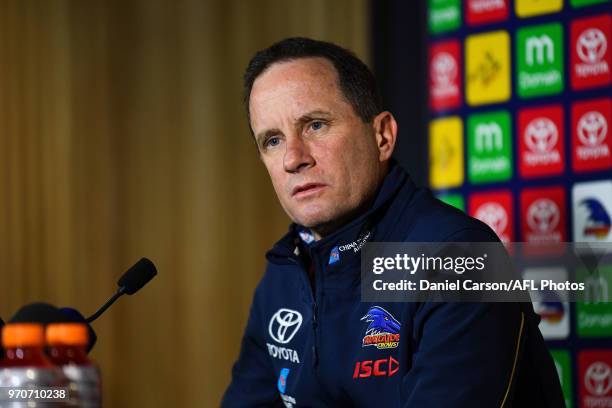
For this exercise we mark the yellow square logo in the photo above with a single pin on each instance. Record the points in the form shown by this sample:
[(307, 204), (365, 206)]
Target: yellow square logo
[(446, 152), (487, 68), (528, 8)]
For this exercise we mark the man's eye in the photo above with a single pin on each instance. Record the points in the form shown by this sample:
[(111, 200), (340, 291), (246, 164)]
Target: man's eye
[(316, 125), (273, 141)]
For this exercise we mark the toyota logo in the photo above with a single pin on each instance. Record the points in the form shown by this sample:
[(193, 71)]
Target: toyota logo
[(494, 215), (598, 378), (543, 215), (592, 128), (284, 324), (443, 69), (541, 135), (591, 45)]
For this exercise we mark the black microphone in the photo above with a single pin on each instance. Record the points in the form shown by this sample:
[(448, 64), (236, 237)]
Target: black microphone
[(131, 282)]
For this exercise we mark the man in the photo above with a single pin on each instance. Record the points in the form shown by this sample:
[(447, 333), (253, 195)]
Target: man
[(326, 142)]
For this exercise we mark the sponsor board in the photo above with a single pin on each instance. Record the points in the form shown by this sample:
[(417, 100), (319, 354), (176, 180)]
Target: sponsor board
[(479, 12), (591, 57), (495, 210), (489, 147), (456, 200), (543, 215), (540, 133), (594, 314), (591, 135), (446, 152), (595, 378), (443, 15), (539, 56), (553, 308), (582, 3), (563, 365), (445, 75), (487, 72), (592, 211), (528, 8)]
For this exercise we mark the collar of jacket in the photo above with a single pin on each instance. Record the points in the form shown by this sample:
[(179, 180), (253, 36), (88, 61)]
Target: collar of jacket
[(344, 246)]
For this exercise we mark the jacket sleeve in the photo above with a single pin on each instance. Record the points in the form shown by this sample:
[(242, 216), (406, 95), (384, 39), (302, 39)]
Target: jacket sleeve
[(466, 354), (253, 382), (469, 354)]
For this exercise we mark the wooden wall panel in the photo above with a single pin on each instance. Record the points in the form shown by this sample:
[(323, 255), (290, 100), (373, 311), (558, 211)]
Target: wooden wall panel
[(122, 135)]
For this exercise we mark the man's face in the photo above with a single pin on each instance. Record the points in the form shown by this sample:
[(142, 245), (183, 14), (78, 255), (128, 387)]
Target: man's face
[(323, 160)]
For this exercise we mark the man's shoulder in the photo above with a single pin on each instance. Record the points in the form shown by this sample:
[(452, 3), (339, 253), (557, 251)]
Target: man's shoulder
[(428, 219)]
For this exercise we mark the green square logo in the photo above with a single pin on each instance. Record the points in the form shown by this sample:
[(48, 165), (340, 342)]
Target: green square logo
[(564, 369), (582, 3), (594, 313), (539, 60), (456, 200), (489, 147), (444, 15)]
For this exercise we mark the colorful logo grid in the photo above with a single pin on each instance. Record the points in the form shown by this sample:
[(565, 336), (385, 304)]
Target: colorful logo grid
[(564, 369), (530, 8), (594, 314), (591, 57), (592, 211), (487, 68), (444, 15), (591, 138), (489, 147), (540, 136), (583, 3), (446, 152), (456, 200), (536, 102), (539, 56), (543, 215), (445, 75), (595, 378), (479, 12), (494, 209)]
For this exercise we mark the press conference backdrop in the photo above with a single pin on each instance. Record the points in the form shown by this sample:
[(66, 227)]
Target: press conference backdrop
[(520, 136)]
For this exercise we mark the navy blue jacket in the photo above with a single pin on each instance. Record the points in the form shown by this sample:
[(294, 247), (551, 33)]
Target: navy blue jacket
[(315, 344)]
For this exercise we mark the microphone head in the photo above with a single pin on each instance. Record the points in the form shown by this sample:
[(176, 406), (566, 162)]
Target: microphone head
[(137, 276), (38, 312)]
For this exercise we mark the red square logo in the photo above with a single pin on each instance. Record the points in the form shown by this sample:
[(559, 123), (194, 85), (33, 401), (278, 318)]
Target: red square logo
[(591, 58), (540, 136), (543, 215), (591, 139), (485, 11), (595, 378), (445, 75), (494, 209)]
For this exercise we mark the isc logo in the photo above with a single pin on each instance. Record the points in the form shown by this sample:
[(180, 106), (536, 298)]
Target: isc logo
[(378, 368)]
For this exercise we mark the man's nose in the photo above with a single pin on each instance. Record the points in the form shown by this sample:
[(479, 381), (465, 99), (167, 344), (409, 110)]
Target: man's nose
[(297, 156)]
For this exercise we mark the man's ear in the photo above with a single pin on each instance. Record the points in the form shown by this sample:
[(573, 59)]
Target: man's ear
[(385, 130)]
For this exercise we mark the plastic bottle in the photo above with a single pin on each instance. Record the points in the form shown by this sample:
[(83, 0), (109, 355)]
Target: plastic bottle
[(25, 368), (67, 349)]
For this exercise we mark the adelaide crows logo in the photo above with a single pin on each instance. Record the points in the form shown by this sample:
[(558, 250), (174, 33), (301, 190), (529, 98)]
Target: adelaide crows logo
[(383, 330), (598, 223)]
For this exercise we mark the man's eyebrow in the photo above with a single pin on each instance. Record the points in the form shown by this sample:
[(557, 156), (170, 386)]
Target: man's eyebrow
[(314, 114), (302, 119), (261, 136)]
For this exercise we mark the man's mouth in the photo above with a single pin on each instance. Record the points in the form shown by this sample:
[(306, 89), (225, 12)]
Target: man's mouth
[(305, 190)]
